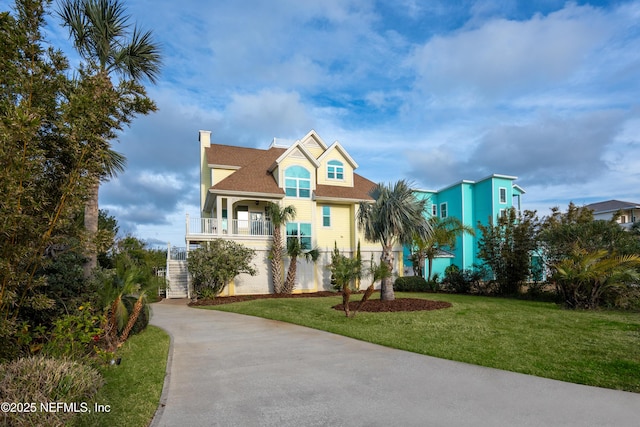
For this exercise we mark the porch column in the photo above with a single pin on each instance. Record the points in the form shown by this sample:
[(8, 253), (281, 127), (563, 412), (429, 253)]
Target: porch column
[(219, 215)]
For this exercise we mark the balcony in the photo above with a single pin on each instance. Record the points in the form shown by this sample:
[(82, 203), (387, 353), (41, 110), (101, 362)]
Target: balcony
[(208, 228)]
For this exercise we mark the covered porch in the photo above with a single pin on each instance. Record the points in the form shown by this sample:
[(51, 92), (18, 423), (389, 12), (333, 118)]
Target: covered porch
[(232, 217)]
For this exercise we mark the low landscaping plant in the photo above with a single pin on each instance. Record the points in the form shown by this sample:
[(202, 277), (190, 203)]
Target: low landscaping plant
[(132, 389), (411, 284), (35, 381)]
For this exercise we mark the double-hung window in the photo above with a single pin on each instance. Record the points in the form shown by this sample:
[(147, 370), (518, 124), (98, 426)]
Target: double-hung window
[(297, 182), (503, 195), (335, 170), (300, 231), (443, 210)]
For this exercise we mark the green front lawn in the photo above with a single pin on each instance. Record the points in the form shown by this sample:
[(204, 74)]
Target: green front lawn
[(599, 348)]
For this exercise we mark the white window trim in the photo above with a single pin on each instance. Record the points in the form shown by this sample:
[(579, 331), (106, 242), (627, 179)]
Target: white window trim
[(298, 235), (335, 170), (500, 199), (445, 210), (297, 180)]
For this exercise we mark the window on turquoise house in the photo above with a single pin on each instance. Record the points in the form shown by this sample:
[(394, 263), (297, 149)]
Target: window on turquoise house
[(503, 195), (434, 210), (326, 216), (301, 231), (443, 210), (335, 170), (297, 182)]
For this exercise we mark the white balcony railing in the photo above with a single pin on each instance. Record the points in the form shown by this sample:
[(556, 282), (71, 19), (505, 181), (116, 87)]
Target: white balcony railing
[(234, 227)]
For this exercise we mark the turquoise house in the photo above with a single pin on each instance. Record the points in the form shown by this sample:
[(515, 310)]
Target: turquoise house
[(471, 202)]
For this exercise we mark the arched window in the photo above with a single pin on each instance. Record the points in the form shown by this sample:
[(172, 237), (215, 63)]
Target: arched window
[(297, 182), (335, 170)]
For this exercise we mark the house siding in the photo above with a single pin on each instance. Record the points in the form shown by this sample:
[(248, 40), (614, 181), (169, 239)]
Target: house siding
[(340, 230)]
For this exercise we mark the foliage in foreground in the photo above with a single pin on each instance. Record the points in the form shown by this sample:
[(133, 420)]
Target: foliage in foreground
[(212, 267), (42, 380), (55, 129)]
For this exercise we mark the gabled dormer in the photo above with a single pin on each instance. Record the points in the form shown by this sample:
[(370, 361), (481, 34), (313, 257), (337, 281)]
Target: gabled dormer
[(295, 170), (336, 167), (313, 143)]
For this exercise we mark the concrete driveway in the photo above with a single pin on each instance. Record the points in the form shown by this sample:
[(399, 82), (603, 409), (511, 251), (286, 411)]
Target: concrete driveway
[(228, 369)]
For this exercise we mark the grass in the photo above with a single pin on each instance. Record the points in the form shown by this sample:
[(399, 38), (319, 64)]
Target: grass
[(598, 348), (132, 389)]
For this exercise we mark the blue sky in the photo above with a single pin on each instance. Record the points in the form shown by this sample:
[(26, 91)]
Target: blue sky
[(434, 92)]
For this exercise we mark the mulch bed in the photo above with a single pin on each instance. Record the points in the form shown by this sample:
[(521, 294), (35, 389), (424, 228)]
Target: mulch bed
[(398, 304), (374, 304)]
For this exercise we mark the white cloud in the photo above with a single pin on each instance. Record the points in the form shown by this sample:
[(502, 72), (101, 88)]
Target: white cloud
[(258, 117), (505, 57)]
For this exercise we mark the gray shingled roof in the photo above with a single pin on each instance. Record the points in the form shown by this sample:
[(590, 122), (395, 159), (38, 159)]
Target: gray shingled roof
[(611, 206)]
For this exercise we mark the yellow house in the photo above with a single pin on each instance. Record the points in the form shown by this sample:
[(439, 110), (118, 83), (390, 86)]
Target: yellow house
[(237, 184)]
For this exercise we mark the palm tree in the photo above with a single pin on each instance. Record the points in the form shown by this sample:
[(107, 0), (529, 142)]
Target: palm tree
[(279, 217), (584, 277), (395, 216), (105, 39), (444, 235), (296, 249), (111, 163)]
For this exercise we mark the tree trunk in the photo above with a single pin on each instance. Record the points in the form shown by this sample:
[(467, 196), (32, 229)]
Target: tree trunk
[(346, 293), (91, 228), (364, 299), (386, 284), (430, 268), (276, 261), (137, 308), (290, 282)]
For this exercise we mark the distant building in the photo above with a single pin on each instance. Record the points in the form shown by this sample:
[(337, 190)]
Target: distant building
[(629, 212), (470, 202)]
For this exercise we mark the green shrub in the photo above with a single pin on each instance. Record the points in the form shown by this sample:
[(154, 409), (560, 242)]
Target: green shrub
[(455, 280), (73, 335), (469, 281), (213, 266), (410, 284), (42, 380)]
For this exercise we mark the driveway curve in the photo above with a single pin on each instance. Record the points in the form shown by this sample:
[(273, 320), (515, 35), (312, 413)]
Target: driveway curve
[(228, 369)]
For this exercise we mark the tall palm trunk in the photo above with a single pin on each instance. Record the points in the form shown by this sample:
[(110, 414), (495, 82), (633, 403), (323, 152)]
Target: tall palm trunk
[(276, 261), (386, 284), (290, 282), (91, 227)]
